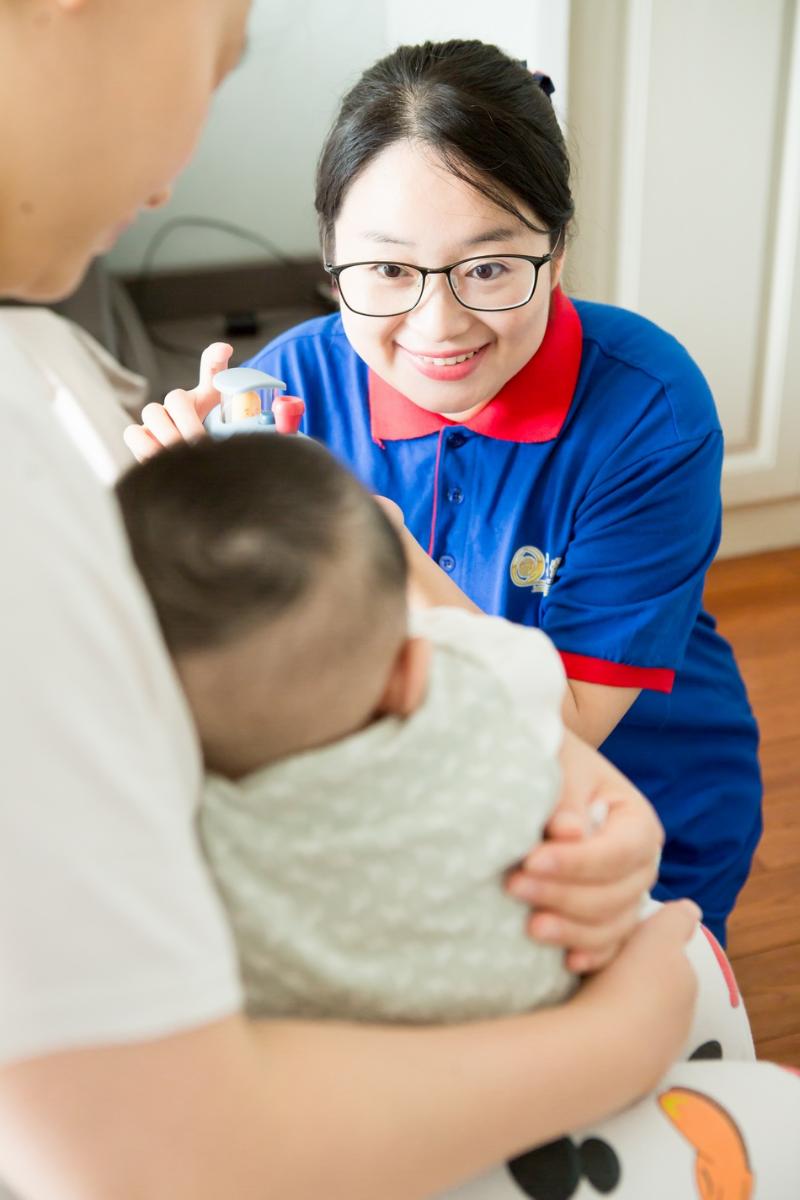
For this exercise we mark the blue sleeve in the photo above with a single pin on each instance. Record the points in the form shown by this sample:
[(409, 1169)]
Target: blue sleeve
[(630, 587)]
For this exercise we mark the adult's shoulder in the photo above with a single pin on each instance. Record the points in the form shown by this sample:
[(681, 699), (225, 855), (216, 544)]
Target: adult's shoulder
[(634, 357)]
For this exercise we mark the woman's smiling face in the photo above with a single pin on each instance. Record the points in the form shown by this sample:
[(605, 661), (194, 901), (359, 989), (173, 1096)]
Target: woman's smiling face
[(407, 207)]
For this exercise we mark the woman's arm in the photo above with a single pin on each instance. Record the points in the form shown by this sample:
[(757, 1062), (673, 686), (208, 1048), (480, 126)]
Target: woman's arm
[(587, 880), (587, 894), (592, 710), (299, 1110)]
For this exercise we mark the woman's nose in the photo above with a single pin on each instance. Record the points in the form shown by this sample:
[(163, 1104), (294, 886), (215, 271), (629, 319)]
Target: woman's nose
[(438, 316)]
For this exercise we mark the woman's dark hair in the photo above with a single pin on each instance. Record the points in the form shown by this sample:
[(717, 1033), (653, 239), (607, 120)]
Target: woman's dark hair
[(485, 114)]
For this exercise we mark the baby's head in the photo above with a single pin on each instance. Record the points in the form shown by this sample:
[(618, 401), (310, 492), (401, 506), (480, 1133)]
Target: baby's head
[(279, 584)]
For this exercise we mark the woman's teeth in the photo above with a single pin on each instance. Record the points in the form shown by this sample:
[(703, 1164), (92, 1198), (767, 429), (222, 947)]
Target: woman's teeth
[(447, 362)]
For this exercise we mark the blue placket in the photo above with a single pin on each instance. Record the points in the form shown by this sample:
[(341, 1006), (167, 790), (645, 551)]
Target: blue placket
[(449, 542)]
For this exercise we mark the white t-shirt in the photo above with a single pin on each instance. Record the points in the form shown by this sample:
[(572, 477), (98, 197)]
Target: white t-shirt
[(110, 929)]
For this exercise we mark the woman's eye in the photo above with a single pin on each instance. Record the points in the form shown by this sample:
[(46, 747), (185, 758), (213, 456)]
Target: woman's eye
[(389, 270), (487, 272)]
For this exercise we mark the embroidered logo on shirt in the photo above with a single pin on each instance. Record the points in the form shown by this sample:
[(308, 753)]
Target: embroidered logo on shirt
[(530, 568)]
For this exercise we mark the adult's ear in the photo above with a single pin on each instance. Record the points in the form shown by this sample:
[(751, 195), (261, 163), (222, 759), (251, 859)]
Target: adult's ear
[(408, 679), (556, 269)]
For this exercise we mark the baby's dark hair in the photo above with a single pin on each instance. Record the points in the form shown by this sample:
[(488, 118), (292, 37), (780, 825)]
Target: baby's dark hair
[(228, 534)]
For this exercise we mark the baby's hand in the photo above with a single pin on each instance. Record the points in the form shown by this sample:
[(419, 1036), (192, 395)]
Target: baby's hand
[(644, 1000), (180, 418)]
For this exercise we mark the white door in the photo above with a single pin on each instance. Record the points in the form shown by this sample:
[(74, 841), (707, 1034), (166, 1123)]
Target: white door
[(685, 123)]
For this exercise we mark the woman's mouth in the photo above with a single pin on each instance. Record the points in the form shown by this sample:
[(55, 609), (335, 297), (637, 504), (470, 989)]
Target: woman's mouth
[(451, 365)]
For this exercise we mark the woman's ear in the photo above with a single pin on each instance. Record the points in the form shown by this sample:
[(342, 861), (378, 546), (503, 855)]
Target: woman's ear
[(408, 679), (556, 268)]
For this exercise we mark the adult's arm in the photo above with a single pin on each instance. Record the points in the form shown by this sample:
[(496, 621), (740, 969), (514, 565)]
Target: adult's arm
[(299, 1110)]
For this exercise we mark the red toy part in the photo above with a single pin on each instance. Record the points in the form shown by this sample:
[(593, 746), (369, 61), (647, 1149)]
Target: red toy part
[(288, 413)]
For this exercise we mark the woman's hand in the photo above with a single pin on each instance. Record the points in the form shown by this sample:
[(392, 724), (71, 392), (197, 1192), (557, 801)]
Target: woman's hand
[(180, 418), (647, 994), (586, 881)]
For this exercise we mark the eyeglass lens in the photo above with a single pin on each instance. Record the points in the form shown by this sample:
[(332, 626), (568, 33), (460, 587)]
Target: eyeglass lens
[(388, 289)]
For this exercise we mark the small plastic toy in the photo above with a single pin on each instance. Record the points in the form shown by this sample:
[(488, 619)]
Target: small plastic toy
[(251, 402)]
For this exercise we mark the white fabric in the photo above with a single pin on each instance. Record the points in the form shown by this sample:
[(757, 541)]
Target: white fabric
[(94, 397), (110, 929), (364, 879)]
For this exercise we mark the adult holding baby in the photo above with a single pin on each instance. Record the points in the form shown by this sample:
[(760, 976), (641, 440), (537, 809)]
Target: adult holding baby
[(127, 1068), (556, 463)]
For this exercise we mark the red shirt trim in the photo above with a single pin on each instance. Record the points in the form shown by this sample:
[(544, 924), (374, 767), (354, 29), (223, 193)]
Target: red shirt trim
[(531, 407), (435, 495), (599, 670)]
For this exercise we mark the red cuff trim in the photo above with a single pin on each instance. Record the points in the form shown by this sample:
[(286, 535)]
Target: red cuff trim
[(598, 670)]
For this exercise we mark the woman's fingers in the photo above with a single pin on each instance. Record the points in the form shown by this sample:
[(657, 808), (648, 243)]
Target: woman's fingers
[(593, 904), (182, 410), (157, 420), (141, 442), (584, 962), (629, 841), (205, 396), (554, 929)]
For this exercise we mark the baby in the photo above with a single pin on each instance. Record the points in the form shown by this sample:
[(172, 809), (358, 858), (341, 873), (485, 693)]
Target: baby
[(369, 783)]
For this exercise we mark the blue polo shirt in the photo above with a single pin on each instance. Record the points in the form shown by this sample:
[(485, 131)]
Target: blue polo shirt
[(584, 499)]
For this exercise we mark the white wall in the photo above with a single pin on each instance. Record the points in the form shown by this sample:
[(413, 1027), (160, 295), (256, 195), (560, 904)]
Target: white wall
[(255, 164), (534, 30)]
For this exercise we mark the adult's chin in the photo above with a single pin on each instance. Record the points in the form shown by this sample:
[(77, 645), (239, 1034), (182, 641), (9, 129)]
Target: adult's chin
[(445, 399), (56, 282)]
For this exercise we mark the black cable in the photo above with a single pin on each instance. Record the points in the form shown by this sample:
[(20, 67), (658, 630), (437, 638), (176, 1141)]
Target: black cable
[(229, 227), (172, 226)]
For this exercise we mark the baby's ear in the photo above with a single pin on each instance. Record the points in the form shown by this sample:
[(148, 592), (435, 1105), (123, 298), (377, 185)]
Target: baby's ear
[(408, 679)]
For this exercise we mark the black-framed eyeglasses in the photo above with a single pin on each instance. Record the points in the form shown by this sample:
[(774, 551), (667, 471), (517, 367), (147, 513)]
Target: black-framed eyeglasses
[(487, 283)]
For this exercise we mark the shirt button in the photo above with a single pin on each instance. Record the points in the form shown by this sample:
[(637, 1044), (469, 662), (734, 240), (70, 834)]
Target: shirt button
[(455, 495), (447, 562), (456, 439)]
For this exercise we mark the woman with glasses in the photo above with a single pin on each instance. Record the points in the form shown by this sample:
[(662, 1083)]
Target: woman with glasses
[(555, 461)]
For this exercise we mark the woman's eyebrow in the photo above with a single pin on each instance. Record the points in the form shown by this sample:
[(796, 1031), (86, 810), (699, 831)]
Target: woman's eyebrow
[(374, 235), (502, 233)]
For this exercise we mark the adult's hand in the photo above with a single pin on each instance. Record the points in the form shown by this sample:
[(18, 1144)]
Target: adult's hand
[(600, 857), (180, 418)]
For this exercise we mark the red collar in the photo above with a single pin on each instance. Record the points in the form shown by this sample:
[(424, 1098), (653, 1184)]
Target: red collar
[(531, 407)]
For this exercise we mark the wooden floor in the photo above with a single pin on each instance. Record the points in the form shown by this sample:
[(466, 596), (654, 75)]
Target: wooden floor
[(757, 603)]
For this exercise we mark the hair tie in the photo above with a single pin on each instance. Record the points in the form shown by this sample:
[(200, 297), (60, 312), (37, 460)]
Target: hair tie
[(544, 82)]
